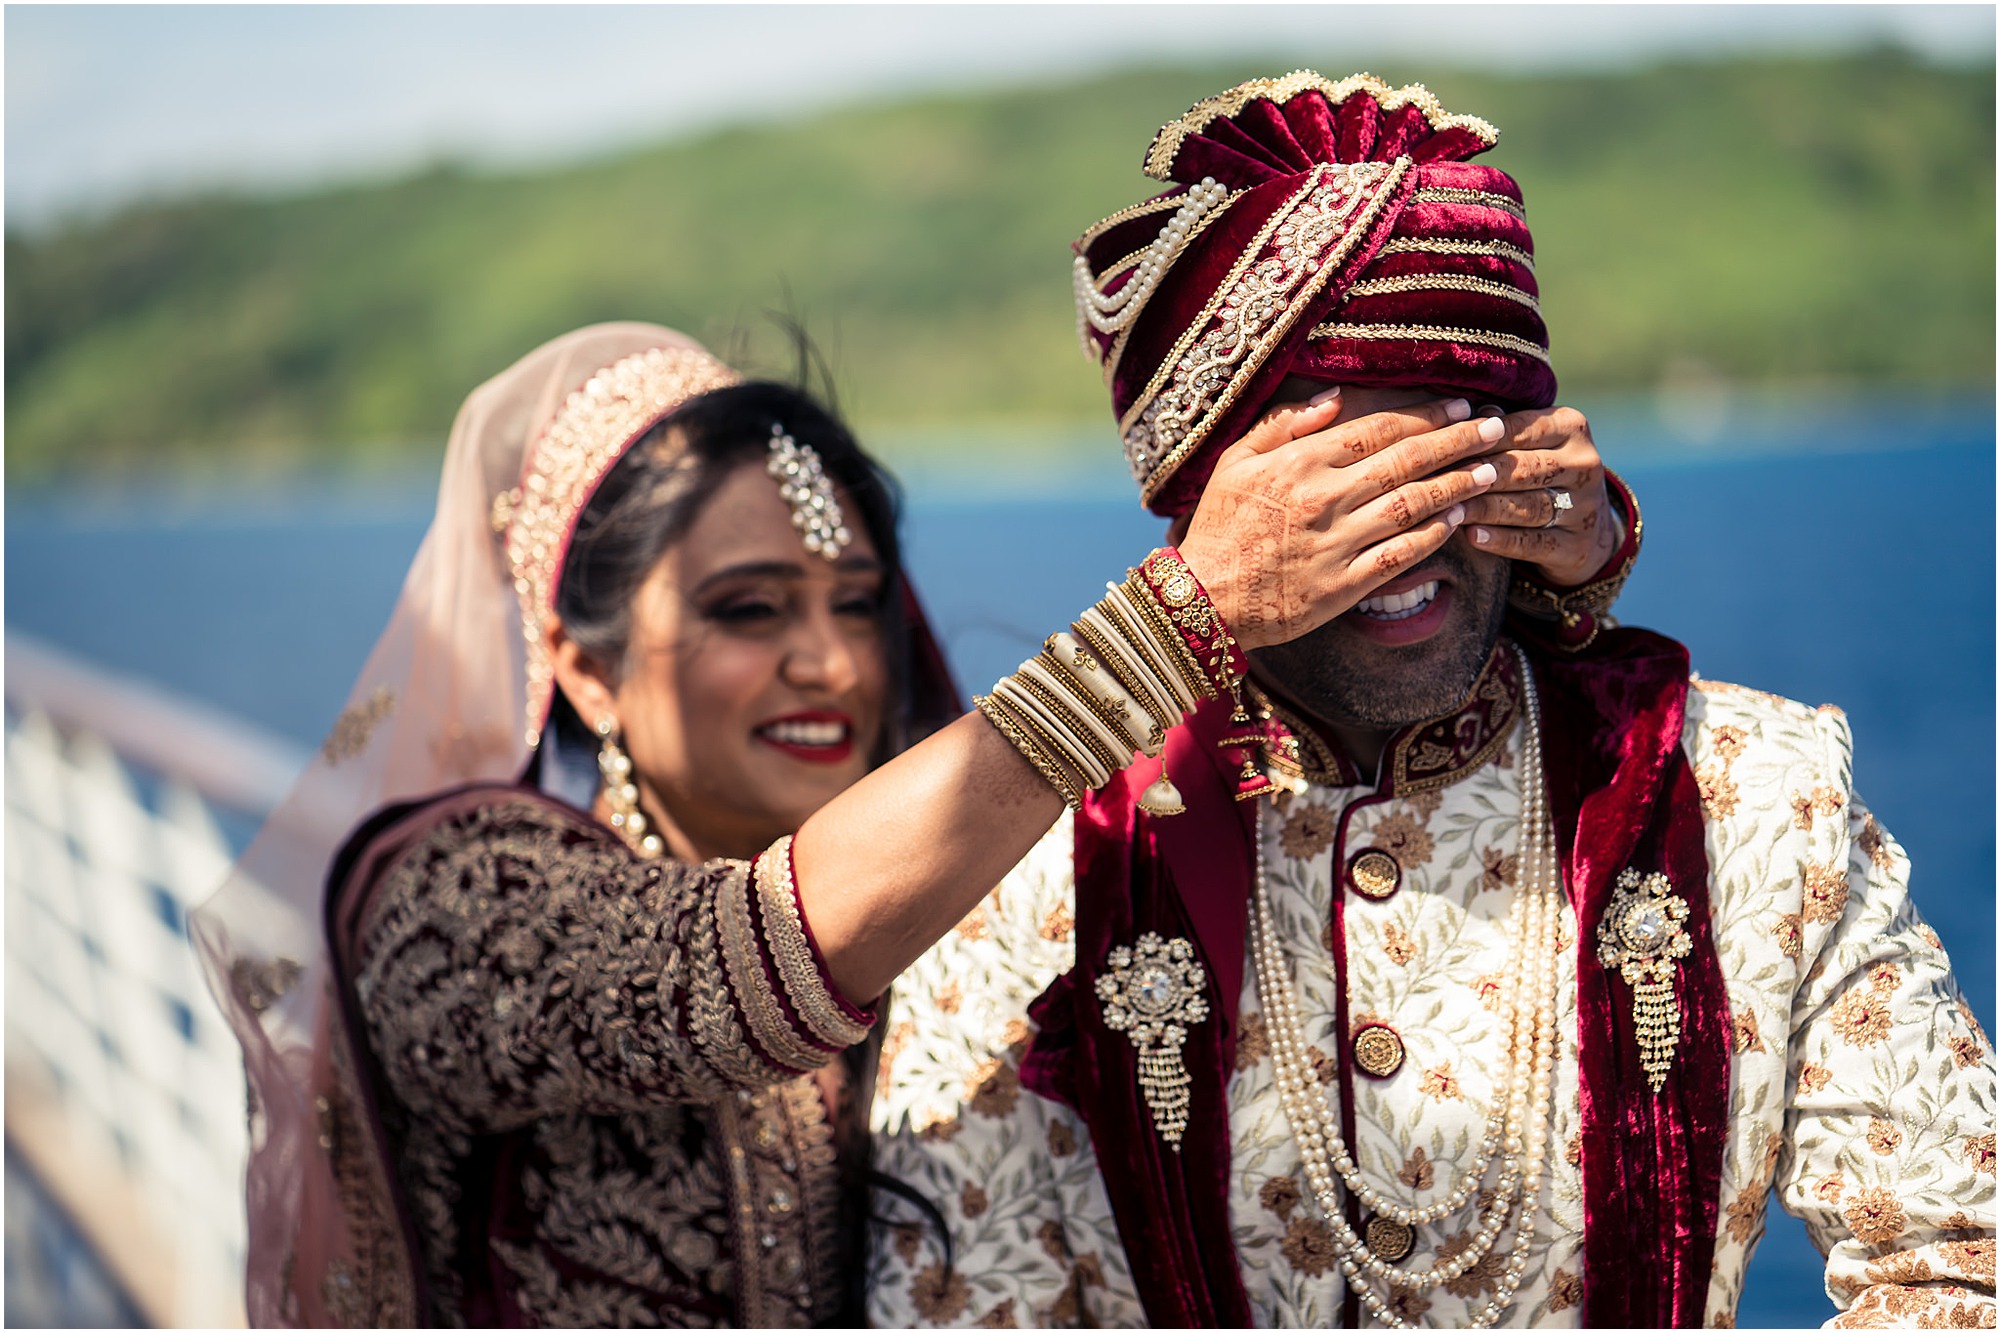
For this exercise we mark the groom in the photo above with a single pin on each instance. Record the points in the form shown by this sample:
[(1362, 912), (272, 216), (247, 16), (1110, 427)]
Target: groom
[(1544, 965)]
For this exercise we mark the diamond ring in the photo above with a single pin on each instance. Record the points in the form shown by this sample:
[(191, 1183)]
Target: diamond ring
[(1560, 501)]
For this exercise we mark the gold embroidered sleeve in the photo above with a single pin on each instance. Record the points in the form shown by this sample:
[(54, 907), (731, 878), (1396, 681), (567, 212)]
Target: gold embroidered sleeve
[(807, 987), (1888, 1151), (517, 961), (1573, 616)]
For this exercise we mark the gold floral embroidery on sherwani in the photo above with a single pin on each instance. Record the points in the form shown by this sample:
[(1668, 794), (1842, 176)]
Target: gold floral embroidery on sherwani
[(585, 1127), (1861, 1091), (1869, 1148)]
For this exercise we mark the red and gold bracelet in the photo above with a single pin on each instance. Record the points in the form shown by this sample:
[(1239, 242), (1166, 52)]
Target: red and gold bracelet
[(1185, 606), (1131, 667), (1172, 587)]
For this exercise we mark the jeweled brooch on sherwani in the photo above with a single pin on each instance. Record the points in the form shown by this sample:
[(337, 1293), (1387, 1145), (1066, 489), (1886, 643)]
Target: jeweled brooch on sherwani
[(1641, 936), (1153, 993)]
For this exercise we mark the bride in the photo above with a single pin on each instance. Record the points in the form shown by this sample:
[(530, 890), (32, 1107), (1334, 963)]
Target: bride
[(658, 620)]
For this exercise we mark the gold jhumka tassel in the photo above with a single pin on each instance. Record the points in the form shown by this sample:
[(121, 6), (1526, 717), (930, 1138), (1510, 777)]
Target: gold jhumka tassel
[(1162, 797)]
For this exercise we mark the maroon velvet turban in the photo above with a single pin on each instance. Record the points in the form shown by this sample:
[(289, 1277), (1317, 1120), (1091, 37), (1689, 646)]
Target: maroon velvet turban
[(1326, 229)]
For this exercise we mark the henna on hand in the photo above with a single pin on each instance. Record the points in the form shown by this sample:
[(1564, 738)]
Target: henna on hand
[(1241, 552), (1298, 524), (1543, 450)]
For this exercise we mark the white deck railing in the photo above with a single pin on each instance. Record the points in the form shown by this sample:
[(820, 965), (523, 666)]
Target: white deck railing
[(125, 1087)]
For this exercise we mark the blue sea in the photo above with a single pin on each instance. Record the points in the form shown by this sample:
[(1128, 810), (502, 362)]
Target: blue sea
[(1833, 550)]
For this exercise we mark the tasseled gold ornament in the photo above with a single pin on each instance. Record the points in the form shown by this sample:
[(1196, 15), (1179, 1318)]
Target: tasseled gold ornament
[(1162, 797)]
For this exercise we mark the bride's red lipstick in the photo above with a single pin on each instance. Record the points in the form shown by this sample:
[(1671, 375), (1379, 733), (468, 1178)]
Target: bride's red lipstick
[(810, 736)]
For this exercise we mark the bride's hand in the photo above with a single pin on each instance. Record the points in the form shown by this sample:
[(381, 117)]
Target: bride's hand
[(1302, 518)]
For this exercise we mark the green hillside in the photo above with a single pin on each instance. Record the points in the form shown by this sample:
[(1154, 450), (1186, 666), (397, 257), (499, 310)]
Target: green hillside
[(1766, 222)]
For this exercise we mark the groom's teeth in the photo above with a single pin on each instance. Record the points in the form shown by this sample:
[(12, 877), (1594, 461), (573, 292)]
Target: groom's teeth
[(1399, 605)]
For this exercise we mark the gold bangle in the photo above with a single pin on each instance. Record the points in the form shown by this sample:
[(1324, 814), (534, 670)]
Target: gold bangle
[(1081, 667), (1124, 621), (1101, 689), (1165, 639), (1102, 747), (1048, 722), (1140, 594), (1118, 729), (1000, 715)]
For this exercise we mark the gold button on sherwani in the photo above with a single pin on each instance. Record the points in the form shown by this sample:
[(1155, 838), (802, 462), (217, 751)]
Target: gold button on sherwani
[(1378, 1051), (1374, 874), (1390, 1240)]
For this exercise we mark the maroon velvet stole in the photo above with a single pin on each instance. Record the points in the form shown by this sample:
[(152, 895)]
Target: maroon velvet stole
[(1171, 1206), (1621, 793)]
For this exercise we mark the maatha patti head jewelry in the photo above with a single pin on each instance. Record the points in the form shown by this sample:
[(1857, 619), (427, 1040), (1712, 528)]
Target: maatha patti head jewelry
[(803, 483), (621, 792)]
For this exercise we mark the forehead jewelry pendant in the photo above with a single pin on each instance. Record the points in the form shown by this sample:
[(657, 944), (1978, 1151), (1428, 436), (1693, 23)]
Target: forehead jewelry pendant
[(1153, 994), (1641, 935), (804, 485)]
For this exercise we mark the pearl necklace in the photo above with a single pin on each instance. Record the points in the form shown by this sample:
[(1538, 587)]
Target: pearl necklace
[(1520, 1115)]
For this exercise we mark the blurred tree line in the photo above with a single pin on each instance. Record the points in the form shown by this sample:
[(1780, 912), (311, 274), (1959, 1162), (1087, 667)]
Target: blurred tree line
[(1779, 222)]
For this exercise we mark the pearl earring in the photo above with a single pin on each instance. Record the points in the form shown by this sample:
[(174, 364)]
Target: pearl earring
[(620, 793)]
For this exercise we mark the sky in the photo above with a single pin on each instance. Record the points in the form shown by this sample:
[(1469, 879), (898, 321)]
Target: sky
[(110, 103)]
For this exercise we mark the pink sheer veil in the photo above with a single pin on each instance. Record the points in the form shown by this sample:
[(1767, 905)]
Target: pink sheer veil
[(441, 702)]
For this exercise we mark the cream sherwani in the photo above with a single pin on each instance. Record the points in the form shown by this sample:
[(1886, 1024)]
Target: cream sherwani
[(1862, 1090)]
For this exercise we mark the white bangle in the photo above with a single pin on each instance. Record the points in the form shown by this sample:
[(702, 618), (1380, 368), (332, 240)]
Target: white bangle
[(1118, 681), (1161, 656), (1090, 765), (1021, 735), (1152, 693), (1082, 671), (1119, 745)]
